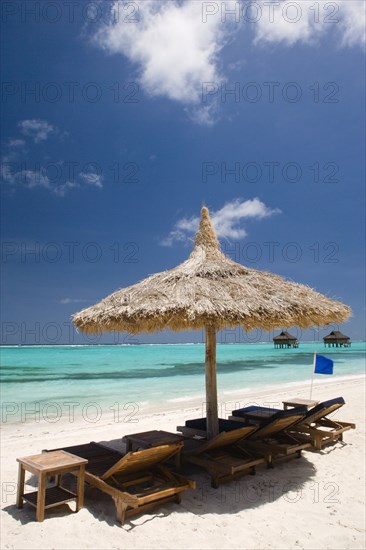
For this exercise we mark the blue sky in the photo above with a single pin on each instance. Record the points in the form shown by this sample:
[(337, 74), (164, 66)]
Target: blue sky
[(119, 119)]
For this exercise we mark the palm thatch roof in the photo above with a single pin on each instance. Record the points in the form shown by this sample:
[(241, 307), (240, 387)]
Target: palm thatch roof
[(336, 335), (209, 289), (284, 336)]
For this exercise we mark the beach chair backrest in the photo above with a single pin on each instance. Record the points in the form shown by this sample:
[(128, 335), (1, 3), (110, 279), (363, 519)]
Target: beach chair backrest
[(224, 439), (142, 460), (323, 409), (278, 422)]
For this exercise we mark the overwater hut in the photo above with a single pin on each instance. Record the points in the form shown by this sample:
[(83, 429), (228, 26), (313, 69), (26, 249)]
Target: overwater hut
[(285, 340), (336, 339)]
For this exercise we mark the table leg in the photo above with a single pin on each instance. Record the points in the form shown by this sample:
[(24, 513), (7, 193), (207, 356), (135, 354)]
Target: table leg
[(20, 491), (80, 488), (128, 445), (178, 461), (41, 497)]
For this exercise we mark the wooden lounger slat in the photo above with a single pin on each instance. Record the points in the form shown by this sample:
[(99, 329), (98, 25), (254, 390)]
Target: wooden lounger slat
[(124, 483), (142, 460), (225, 439), (277, 426)]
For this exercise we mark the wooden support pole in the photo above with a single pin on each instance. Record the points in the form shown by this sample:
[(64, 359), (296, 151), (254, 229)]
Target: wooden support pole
[(211, 387), (312, 376)]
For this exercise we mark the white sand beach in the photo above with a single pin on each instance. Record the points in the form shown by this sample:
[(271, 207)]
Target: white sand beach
[(317, 501)]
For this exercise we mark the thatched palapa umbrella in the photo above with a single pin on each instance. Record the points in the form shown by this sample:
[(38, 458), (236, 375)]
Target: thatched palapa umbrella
[(209, 291)]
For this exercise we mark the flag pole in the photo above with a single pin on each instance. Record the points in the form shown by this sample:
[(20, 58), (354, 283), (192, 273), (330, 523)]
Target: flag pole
[(312, 376)]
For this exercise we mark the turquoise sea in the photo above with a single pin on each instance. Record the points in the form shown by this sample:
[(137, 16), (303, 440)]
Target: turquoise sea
[(164, 375)]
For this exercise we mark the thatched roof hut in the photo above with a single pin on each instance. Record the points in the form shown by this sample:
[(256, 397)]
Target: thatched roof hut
[(285, 340), (337, 339), (209, 291)]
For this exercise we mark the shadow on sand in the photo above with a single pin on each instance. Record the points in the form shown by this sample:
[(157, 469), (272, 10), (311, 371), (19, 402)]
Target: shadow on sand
[(287, 480)]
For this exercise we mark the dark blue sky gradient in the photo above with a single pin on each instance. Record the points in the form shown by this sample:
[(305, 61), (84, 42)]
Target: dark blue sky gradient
[(155, 139)]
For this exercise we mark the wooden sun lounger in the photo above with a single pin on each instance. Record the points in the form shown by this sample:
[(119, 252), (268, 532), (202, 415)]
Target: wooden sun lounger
[(271, 438), (137, 481), (319, 430), (314, 427), (221, 456)]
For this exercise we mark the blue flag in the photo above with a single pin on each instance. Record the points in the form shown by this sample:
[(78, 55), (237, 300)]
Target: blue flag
[(323, 365)]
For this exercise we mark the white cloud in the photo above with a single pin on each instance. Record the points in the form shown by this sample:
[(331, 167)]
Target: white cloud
[(60, 190), (91, 178), (6, 173), (204, 116), (37, 129), (304, 21), (237, 65), (16, 142), (227, 221), (71, 301), (33, 178), (177, 50), (13, 170), (12, 174), (27, 178), (353, 23), (38, 178), (174, 49)]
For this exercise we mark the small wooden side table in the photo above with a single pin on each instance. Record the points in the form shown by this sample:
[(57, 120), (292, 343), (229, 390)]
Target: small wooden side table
[(153, 438), (53, 463), (296, 402)]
